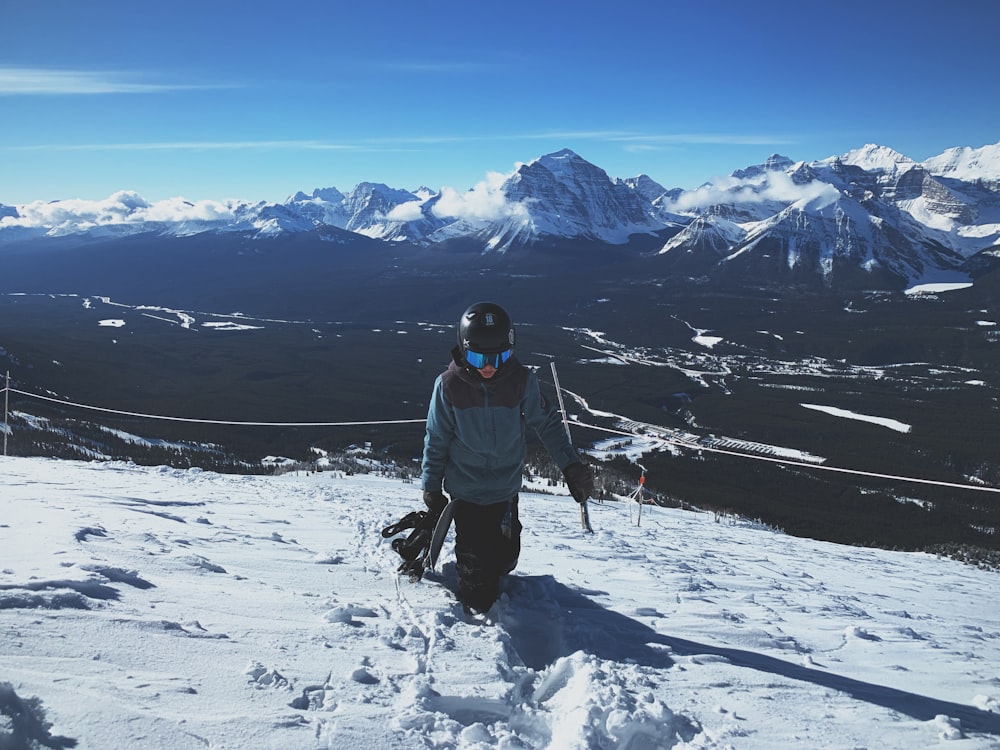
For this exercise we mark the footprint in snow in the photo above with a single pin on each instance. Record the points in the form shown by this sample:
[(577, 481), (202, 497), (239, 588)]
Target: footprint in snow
[(88, 531), (347, 614), (262, 677), (363, 676), (197, 561), (328, 558)]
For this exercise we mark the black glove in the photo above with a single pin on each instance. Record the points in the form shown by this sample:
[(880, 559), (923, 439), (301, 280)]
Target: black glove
[(435, 500), (580, 480)]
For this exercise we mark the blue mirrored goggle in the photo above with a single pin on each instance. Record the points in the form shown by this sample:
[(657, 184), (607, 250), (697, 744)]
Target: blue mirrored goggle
[(479, 361)]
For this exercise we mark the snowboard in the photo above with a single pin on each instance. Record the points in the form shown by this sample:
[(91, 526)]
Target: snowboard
[(438, 537)]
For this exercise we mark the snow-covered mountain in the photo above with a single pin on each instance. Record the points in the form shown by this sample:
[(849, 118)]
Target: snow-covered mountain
[(558, 195), (872, 214), (566, 196)]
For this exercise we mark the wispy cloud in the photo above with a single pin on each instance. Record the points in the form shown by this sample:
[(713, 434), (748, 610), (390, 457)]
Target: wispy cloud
[(436, 66), (54, 82), (730, 139), (306, 145), (641, 148), (632, 140)]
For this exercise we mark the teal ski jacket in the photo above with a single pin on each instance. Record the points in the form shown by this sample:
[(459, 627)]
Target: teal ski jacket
[(475, 444)]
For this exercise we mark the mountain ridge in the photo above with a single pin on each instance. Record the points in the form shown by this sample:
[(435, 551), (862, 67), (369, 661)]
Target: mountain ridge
[(870, 213)]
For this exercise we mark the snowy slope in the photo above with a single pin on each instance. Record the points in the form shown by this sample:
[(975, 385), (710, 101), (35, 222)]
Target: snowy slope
[(154, 607)]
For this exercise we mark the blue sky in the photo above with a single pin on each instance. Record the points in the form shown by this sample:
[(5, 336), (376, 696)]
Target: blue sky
[(228, 99)]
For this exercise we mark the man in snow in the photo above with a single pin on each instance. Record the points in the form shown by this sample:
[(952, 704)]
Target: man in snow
[(475, 449)]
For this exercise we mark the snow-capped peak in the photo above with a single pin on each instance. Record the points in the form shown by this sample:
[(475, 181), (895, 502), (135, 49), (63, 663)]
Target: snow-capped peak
[(645, 186), (563, 162), (567, 196), (873, 158), (967, 163), (774, 163)]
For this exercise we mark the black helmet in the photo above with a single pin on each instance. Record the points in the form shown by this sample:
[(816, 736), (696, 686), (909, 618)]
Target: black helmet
[(485, 328)]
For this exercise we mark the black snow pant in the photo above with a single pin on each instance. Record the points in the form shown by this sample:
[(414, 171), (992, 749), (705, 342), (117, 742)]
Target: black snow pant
[(487, 545)]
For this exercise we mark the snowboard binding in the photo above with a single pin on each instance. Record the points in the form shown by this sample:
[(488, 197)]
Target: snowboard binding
[(414, 547)]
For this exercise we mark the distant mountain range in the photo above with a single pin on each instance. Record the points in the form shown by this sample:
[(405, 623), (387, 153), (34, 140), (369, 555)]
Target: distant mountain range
[(869, 218)]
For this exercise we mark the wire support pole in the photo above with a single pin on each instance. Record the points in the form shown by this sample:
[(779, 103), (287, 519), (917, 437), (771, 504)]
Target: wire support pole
[(584, 512), (6, 401), (638, 498)]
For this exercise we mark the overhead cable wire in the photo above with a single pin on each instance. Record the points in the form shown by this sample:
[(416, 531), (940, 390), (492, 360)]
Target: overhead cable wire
[(215, 421), (791, 462), (571, 422)]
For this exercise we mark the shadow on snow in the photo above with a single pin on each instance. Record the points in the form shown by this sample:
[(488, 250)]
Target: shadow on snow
[(547, 620)]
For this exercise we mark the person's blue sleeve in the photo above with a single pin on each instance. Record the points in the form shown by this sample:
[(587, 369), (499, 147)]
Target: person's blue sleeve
[(437, 439)]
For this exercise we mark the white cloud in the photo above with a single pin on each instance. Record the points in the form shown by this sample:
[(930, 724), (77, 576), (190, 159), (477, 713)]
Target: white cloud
[(485, 202), (112, 210), (725, 139), (44, 81), (406, 212), (178, 210), (436, 66), (124, 207), (187, 146), (771, 186)]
